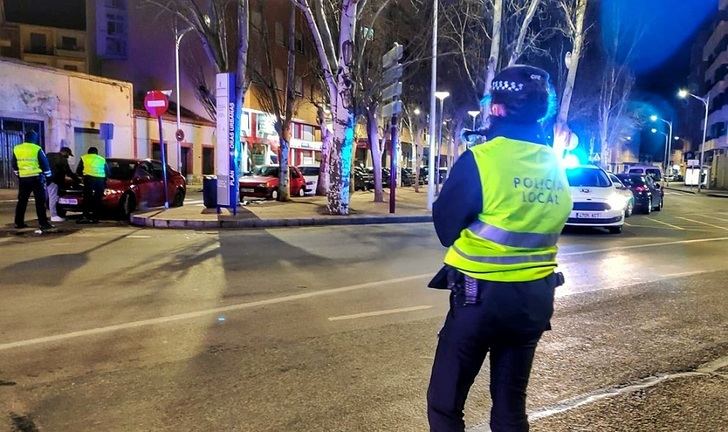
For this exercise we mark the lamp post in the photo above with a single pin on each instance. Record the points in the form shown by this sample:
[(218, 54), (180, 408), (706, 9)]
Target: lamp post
[(655, 131), (177, 40), (668, 149), (683, 94), (441, 96), (433, 107)]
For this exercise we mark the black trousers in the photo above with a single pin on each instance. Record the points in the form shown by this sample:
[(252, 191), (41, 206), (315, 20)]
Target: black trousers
[(31, 185), (93, 194), (506, 323)]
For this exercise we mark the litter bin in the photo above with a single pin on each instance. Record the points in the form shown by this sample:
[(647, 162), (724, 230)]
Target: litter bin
[(209, 191)]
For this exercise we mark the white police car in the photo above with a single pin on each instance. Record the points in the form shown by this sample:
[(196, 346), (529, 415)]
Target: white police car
[(597, 202)]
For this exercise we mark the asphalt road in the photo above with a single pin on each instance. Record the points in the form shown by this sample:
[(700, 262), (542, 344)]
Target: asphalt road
[(114, 328)]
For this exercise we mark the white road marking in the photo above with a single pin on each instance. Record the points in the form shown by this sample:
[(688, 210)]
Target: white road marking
[(379, 313), (641, 246), (665, 223), (290, 298), (703, 223), (610, 392), (138, 236), (205, 312), (716, 218)]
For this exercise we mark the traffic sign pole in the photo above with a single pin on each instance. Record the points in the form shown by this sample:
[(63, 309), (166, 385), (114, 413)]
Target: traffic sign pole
[(391, 109), (157, 104)]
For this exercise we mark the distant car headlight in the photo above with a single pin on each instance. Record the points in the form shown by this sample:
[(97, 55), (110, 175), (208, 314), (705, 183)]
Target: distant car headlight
[(617, 202)]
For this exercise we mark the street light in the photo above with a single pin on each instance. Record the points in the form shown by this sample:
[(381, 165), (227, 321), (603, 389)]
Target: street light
[(683, 94), (177, 40), (474, 115), (654, 131), (433, 107), (668, 148), (441, 96)]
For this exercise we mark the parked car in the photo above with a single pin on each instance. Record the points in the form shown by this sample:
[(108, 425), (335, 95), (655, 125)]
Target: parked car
[(263, 183), (648, 194), (650, 170), (625, 192), (363, 178), (131, 184), (310, 174), (597, 202)]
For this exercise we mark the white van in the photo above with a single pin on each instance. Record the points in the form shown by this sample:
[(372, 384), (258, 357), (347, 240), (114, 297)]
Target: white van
[(650, 170)]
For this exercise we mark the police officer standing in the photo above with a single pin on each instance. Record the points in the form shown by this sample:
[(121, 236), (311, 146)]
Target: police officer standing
[(500, 214), (31, 166), (60, 170), (94, 170)]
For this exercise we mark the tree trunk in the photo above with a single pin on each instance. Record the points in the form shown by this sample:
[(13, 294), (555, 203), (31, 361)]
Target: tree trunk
[(322, 186), (343, 112), (562, 128), (493, 62), (241, 78), (523, 32), (376, 149), (417, 150), (284, 186)]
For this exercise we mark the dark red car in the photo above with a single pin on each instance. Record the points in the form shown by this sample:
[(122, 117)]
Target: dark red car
[(263, 182), (132, 184)]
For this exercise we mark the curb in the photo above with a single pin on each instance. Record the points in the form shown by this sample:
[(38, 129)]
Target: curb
[(707, 193), (680, 190), (150, 222)]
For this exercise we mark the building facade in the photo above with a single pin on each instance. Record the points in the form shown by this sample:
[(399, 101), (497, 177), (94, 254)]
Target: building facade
[(715, 58)]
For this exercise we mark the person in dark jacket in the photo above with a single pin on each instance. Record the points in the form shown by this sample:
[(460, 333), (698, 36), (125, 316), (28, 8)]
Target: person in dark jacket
[(60, 169), (499, 214)]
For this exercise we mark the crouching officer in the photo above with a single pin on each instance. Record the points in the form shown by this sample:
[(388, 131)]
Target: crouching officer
[(94, 170), (31, 166), (500, 214)]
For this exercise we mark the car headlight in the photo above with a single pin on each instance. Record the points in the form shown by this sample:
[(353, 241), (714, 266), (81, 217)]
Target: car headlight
[(108, 192), (617, 202)]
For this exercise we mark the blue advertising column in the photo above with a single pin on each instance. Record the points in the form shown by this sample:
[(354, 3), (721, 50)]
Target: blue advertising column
[(226, 147)]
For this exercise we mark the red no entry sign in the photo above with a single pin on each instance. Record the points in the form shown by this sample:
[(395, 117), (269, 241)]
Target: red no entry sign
[(156, 103)]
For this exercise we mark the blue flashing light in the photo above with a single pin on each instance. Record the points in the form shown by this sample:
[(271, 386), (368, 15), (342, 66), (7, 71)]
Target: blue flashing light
[(571, 161)]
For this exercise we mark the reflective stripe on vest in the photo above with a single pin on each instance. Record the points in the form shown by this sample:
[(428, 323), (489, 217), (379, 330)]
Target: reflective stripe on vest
[(526, 202), (94, 165), (514, 239), (508, 260), (27, 156)]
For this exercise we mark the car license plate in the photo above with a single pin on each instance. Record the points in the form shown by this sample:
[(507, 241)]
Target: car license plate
[(587, 215), (70, 201), (247, 190)]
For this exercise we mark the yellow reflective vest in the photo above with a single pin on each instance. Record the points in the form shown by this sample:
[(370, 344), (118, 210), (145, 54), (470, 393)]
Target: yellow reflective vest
[(94, 165), (27, 156), (526, 202)]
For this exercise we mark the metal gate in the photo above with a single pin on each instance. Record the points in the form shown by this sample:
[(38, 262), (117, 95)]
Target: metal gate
[(8, 140)]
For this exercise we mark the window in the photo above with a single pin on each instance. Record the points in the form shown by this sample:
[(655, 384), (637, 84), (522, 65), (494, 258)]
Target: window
[(280, 35), (257, 20), (116, 4), (308, 133), (157, 171), (299, 87), (280, 79), (69, 43), (38, 43), (208, 160), (299, 43), (587, 177)]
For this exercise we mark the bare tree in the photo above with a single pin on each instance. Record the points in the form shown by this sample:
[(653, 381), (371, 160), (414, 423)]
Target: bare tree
[(223, 29), (277, 97), (336, 62), (614, 116), (574, 12)]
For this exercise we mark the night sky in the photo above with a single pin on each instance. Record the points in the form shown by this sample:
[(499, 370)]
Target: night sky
[(69, 14)]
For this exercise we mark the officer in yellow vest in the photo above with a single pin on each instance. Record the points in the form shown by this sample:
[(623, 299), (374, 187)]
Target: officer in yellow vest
[(499, 214), (31, 166), (94, 170)]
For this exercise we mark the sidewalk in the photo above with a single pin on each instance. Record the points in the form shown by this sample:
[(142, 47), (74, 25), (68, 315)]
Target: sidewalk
[(310, 211), (679, 187), (8, 195)]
